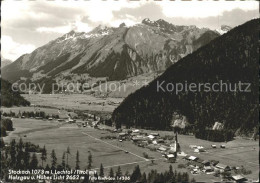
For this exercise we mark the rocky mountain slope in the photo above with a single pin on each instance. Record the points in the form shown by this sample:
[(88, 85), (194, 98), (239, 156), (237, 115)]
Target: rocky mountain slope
[(223, 29), (230, 59), (5, 62), (114, 53)]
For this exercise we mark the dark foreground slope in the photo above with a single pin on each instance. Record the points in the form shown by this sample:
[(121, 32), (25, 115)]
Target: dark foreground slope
[(230, 59), (10, 98)]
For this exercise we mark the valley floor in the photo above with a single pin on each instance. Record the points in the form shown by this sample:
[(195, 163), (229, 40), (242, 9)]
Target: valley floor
[(112, 153), (81, 102)]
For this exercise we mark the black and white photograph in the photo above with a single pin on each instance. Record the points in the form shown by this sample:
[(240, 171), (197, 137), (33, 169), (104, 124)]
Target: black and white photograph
[(129, 91)]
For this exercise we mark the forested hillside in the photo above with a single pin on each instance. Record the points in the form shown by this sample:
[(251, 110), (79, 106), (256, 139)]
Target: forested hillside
[(11, 98), (230, 58)]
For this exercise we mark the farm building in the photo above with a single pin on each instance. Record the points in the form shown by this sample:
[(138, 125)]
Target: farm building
[(214, 162), (122, 134), (218, 126), (136, 131), (199, 150), (151, 137), (137, 139), (222, 167), (208, 169), (155, 134), (181, 154), (238, 178), (192, 158), (154, 142), (160, 141), (206, 163), (171, 158), (197, 162), (193, 146), (172, 151), (161, 149)]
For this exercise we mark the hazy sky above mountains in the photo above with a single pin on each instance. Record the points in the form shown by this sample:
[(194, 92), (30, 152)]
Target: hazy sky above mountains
[(27, 25)]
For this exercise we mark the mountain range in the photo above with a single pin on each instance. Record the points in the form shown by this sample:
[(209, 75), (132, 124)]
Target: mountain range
[(114, 53), (230, 59)]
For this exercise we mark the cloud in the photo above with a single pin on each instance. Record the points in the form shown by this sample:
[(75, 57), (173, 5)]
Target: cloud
[(62, 29), (30, 23), (181, 14), (37, 14), (203, 9), (128, 22), (232, 18), (12, 50), (52, 15), (148, 10), (78, 26)]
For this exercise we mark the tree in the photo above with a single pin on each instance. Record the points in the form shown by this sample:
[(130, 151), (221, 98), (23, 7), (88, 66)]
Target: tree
[(136, 175), (26, 156), (77, 161), (185, 177), (152, 176), (118, 172), (59, 167), (90, 160), (68, 153), (43, 155), (143, 179), (34, 162), (192, 180), (179, 177), (2, 143), (19, 156), (171, 174), (47, 167), (161, 177), (13, 153), (111, 173), (8, 124), (3, 131), (127, 173), (101, 173), (63, 163), (3, 166), (53, 159)]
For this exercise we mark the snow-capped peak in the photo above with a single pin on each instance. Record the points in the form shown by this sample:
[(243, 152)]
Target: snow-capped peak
[(223, 29)]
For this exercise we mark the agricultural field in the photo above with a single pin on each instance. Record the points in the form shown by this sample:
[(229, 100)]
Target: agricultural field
[(238, 152), (48, 111), (112, 153), (58, 136), (74, 101)]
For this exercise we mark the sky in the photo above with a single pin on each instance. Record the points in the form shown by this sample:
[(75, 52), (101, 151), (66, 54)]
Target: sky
[(27, 25)]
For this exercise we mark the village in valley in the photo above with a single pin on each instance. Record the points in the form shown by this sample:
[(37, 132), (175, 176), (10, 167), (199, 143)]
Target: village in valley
[(88, 132)]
